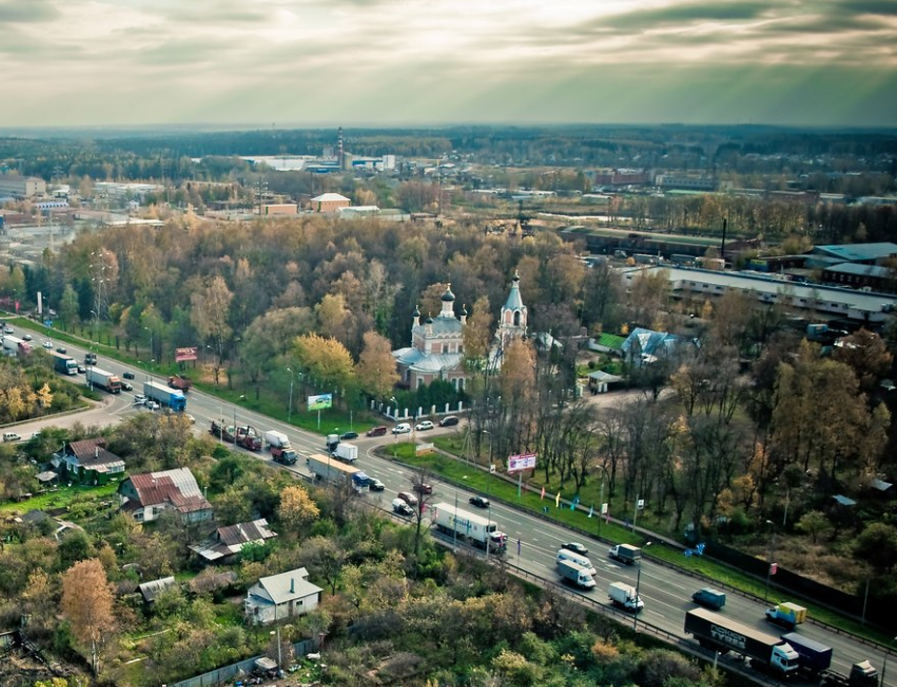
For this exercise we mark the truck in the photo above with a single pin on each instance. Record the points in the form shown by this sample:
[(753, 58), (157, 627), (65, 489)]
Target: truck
[(576, 575), (248, 439), (180, 382), (710, 598), (862, 674), (64, 364), (325, 468), (719, 632), (625, 553), (104, 380), (625, 596), (15, 347), (332, 442), (813, 658), (480, 531), (284, 456), (165, 396), (786, 614), (90, 359), (275, 439), (348, 453)]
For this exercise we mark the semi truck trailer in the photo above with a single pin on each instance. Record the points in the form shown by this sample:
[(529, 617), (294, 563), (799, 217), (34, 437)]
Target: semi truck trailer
[(480, 531), (103, 380), (64, 364), (164, 396)]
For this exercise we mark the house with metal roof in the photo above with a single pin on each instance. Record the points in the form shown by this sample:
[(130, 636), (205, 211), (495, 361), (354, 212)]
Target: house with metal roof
[(225, 543), (147, 496), (645, 345), (281, 596), (866, 253), (151, 590), (88, 462)]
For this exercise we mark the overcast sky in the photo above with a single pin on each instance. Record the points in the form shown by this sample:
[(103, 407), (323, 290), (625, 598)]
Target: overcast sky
[(375, 62)]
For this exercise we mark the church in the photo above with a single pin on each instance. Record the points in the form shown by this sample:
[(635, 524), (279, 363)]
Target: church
[(437, 344)]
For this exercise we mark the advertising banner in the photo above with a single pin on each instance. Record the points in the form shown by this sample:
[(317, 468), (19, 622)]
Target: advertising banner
[(182, 354), (321, 402), (526, 461)]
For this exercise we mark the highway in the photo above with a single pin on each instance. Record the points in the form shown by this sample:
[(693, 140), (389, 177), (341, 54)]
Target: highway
[(665, 591)]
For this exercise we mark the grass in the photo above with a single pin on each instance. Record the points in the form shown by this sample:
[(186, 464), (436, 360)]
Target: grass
[(61, 498)]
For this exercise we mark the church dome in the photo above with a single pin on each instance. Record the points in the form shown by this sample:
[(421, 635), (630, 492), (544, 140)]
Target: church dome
[(448, 296)]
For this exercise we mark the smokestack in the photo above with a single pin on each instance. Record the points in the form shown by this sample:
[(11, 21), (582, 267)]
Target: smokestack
[(292, 585)]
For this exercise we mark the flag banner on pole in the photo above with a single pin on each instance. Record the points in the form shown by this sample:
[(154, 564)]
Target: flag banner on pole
[(543, 493), (557, 500), (573, 504)]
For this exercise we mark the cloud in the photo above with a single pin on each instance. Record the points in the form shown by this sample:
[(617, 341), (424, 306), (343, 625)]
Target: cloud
[(29, 11), (688, 14)]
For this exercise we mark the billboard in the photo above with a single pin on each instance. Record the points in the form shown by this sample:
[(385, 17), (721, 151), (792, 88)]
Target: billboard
[(182, 354), (321, 402), (526, 461)]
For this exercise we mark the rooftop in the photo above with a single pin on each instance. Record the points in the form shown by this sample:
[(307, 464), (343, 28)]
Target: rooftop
[(858, 252)]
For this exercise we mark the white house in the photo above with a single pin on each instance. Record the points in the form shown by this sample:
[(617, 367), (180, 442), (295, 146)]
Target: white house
[(281, 596)]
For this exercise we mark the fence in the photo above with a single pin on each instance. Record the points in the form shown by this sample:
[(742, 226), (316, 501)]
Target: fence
[(224, 674)]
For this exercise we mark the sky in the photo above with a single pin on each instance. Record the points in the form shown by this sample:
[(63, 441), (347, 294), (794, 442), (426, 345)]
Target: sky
[(433, 62)]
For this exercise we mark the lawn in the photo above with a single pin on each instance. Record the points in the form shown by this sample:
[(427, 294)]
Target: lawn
[(63, 497)]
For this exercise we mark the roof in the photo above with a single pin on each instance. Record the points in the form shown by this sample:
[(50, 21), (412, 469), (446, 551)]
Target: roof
[(419, 361), (649, 342), (177, 487), (859, 252), (600, 376), (230, 540), (843, 500), (278, 586), (514, 302), (861, 269), (880, 485), (440, 326), (329, 197), (92, 454), (46, 476), (152, 589)]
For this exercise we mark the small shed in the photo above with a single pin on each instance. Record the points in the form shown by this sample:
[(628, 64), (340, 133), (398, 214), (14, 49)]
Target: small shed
[(151, 590), (600, 382)]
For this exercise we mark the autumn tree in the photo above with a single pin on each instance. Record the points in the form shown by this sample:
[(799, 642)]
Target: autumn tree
[(326, 361), (68, 307), (296, 509), (268, 339), (866, 354), (377, 374), (209, 315), (87, 604), (478, 332)]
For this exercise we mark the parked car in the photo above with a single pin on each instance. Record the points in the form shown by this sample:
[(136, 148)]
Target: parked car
[(127, 386), (26, 337), (128, 375), (378, 431), (479, 501), (139, 399), (47, 344), (376, 485), (401, 508), (449, 421), (345, 436), (152, 405), (423, 426), (401, 428), (423, 488), (576, 547), (11, 436), (407, 497)]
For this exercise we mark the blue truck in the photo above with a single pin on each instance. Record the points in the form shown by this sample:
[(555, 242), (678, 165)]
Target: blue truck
[(64, 364), (162, 395), (815, 658)]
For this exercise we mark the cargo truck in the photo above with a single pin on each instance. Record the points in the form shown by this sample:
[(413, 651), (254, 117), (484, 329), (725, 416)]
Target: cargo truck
[(480, 531), (787, 614), (625, 553), (15, 347), (180, 382), (721, 633), (284, 456), (103, 380), (625, 596), (325, 468), (165, 396), (64, 364), (862, 674), (275, 439), (814, 658), (347, 453), (247, 438), (576, 575), (710, 598)]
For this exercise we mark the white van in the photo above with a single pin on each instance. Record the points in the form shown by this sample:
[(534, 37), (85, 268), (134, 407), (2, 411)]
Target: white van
[(11, 436), (581, 561)]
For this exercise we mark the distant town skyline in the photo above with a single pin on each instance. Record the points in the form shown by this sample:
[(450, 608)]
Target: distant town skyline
[(827, 63)]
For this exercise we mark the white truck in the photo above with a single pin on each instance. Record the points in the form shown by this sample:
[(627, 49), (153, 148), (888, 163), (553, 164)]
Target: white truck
[(276, 439), (624, 596), (347, 453), (101, 379), (452, 520), (576, 574), (14, 346)]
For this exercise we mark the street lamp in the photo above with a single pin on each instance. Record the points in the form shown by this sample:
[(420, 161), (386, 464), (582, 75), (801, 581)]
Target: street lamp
[(772, 542), (290, 411), (235, 419), (601, 494), (488, 485), (638, 583)]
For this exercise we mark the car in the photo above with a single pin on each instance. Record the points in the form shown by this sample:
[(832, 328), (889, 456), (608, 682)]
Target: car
[(478, 501), (81, 369), (423, 488), (449, 421), (401, 508), (139, 399), (376, 485), (62, 350), (407, 497), (11, 436), (152, 405), (401, 428), (378, 431), (345, 436), (127, 386), (423, 426), (47, 344), (26, 337), (8, 330), (128, 375), (575, 547)]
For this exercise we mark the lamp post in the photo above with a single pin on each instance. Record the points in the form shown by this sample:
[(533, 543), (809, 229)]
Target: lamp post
[(772, 542), (638, 584), (604, 476), (290, 411), (235, 419), (488, 485)]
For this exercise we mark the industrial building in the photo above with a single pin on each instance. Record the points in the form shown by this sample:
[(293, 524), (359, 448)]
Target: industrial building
[(16, 186)]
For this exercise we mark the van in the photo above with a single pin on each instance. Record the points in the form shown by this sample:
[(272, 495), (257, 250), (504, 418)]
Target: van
[(378, 431), (449, 421), (581, 561), (11, 436)]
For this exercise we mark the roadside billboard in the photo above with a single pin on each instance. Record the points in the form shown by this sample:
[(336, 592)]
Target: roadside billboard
[(321, 402), (182, 354), (526, 461)]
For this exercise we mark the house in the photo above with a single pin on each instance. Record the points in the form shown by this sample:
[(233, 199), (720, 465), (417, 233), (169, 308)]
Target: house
[(151, 590), (147, 496), (88, 462), (225, 543), (329, 202), (644, 346), (281, 596)]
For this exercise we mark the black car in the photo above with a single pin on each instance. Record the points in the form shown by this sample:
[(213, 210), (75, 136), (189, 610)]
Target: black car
[(81, 369), (348, 435), (376, 485), (479, 501), (575, 547), (128, 375), (449, 421), (61, 349), (127, 387)]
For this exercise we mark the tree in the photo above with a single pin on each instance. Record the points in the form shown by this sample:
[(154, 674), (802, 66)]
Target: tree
[(209, 315), (332, 314), (87, 604), (296, 508), (877, 545), (325, 360), (376, 369), (866, 354), (814, 523), (68, 307)]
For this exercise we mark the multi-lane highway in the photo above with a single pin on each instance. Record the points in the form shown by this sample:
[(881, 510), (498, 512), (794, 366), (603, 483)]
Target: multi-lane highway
[(665, 591)]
